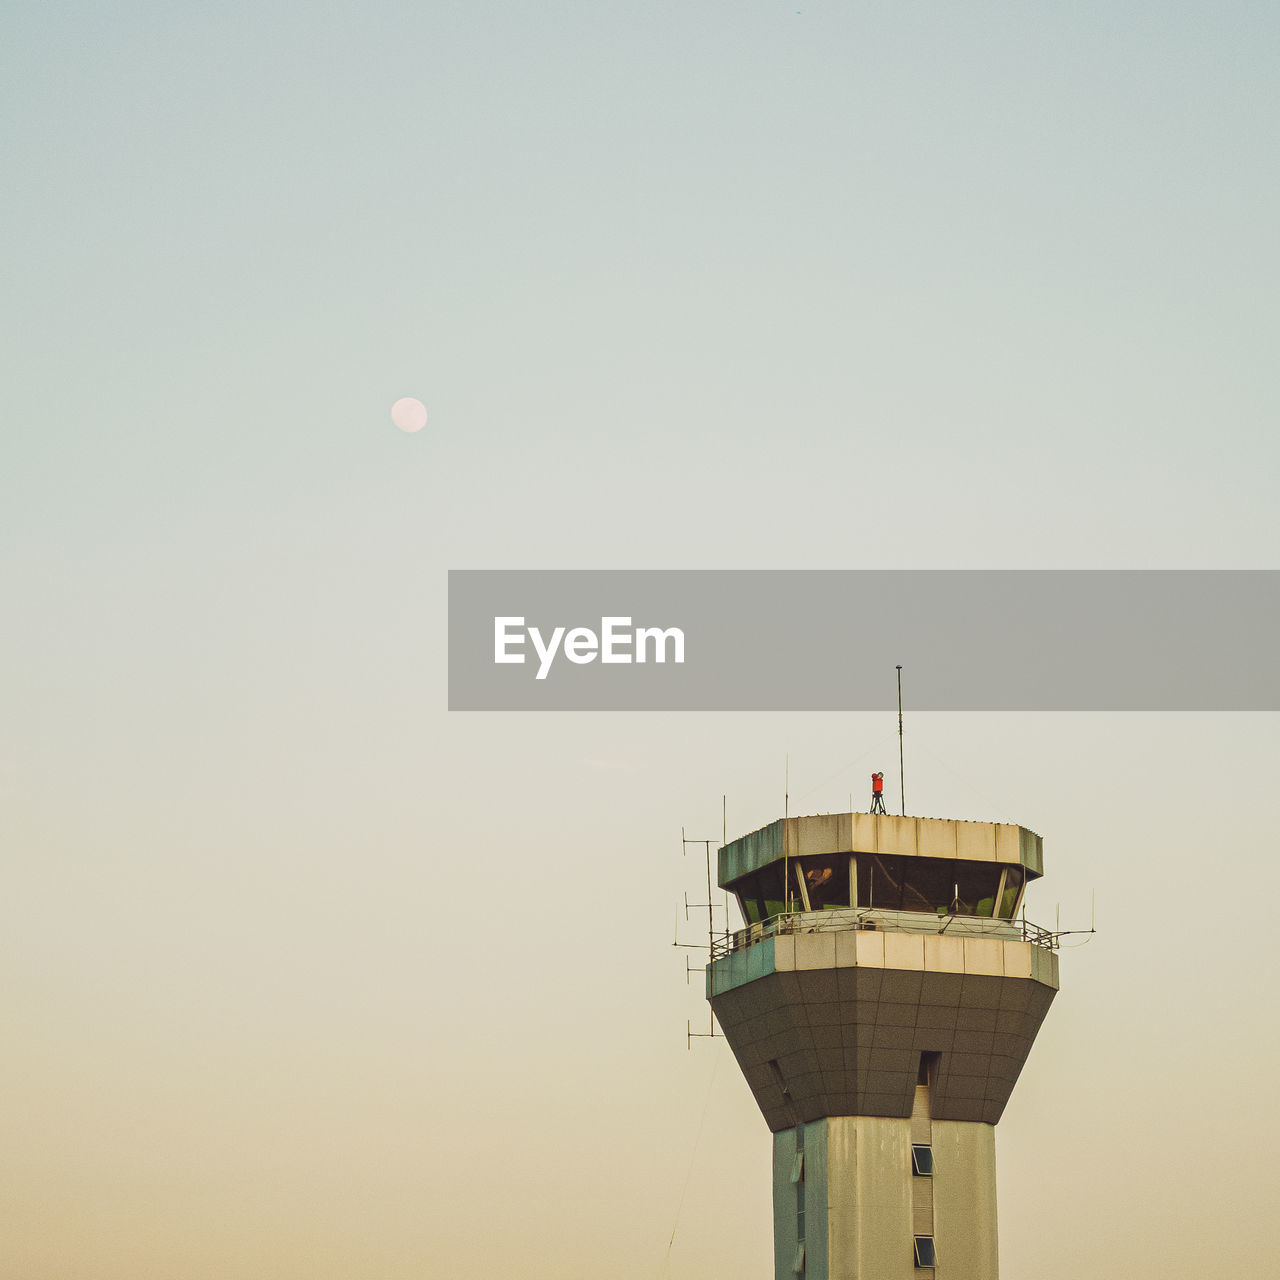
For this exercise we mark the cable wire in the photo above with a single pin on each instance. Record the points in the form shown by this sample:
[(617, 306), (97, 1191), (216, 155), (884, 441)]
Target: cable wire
[(675, 1226)]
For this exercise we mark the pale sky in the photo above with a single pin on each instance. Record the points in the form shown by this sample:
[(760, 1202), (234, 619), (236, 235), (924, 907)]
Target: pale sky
[(307, 977)]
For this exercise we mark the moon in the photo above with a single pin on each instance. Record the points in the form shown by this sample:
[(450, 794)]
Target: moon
[(409, 415)]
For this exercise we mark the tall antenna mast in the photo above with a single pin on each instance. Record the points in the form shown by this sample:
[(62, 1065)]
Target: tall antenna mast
[(902, 778), (710, 946)]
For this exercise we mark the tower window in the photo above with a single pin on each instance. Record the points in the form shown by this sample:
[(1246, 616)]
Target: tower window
[(925, 1255), (1013, 879), (922, 1160), (826, 880)]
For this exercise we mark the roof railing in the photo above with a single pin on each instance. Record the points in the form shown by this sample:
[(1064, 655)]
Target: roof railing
[(843, 920)]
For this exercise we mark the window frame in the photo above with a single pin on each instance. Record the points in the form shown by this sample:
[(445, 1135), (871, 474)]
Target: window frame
[(930, 1248)]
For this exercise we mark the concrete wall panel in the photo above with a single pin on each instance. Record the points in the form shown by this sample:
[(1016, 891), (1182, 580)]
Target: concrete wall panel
[(984, 955), (936, 838), (976, 840), (903, 951), (862, 832), (896, 835), (1031, 850), (945, 955), (1017, 959), (818, 834), (1044, 967), (817, 1138), (869, 1199), (815, 950), (870, 948), (964, 1200), (1008, 844), (784, 1205)]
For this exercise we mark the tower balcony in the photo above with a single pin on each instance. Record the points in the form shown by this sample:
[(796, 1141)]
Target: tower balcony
[(868, 919)]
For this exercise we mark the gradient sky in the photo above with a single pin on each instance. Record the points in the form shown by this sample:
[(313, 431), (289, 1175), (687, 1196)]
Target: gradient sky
[(305, 977)]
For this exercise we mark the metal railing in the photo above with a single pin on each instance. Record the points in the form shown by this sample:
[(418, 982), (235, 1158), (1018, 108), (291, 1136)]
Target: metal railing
[(843, 920)]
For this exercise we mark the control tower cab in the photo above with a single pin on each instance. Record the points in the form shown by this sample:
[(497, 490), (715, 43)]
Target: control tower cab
[(881, 1002)]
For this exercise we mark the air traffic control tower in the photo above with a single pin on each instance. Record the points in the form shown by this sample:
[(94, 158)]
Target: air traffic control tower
[(881, 1002)]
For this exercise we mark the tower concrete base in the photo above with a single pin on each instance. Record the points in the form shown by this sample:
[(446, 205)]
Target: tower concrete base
[(860, 1206)]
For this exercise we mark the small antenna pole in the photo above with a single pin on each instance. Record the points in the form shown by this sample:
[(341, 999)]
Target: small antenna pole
[(711, 940), (724, 840), (711, 906), (786, 789), (902, 777)]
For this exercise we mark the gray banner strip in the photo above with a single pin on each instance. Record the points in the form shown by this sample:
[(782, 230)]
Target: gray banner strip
[(828, 640)]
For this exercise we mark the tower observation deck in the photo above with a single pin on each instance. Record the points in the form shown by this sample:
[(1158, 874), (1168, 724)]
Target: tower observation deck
[(881, 1002)]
